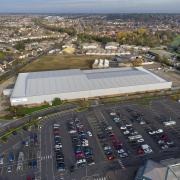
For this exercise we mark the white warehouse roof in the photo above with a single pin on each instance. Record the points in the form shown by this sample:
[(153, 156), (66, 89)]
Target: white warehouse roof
[(76, 80)]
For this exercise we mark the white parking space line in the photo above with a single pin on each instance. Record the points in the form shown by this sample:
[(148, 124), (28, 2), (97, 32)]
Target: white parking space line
[(40, 165), (121, 164), (51, 144), (1, 171)]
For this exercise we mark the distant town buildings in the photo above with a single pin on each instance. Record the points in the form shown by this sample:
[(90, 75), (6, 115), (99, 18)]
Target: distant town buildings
[(87, 46), (112, 45)]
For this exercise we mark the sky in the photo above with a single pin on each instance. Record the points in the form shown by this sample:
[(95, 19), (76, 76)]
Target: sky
[(90, 6)]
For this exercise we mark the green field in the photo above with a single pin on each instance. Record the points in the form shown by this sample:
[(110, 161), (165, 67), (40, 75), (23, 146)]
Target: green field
[(59, 62)]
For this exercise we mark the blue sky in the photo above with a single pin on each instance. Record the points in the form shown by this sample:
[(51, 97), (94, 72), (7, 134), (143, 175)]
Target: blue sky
[(90, 6)]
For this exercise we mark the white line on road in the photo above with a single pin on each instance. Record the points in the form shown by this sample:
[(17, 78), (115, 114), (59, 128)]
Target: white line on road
[(121, 164), (51, 139), (40, 153)]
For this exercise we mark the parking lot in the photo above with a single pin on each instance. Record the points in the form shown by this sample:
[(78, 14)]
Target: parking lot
[(19, 156), (86, 145)]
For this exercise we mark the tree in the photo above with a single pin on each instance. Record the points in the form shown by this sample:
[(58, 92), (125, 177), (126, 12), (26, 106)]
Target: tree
[(137, 62), (17, 111), (2, 55), (20, 46), (56, 101)]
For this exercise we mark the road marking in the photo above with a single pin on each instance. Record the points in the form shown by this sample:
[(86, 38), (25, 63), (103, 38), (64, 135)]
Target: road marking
[(99, 178), (51, 140), (40, 153), (1, 170), (121, 164)]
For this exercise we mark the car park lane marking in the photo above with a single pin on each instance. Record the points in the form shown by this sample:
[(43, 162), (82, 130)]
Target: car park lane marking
[(94, 128), (121, 164), (169, 108), (51, 144), (40, 151), (1, 170), (100, 178)]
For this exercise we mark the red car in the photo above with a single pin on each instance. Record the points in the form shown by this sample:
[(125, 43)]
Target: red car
[(112, 135), (110, 157), (140, 151), (117, 146), (56, 134), (114, 138), (28, 178), (80, 155), (164, 137)]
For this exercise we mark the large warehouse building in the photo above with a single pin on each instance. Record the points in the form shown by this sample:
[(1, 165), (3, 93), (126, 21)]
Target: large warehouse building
[(37, 87)]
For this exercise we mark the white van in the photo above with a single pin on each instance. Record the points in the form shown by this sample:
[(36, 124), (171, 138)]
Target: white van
[(131, 138), (169, 123)]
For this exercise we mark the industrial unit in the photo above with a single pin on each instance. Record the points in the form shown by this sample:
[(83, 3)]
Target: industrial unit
[(37, 87)]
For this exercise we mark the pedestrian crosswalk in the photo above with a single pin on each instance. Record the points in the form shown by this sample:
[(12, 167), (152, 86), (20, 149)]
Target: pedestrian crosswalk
[(95, 178), (121, 164), (100, 178), (46, 157)]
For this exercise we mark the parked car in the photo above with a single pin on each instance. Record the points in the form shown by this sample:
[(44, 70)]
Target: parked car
[(60, 166), (80, 155), (9, 169), (140, 151), (90, 160), (1, 159), (81, 162), (116, 120), (169, 123), (170, 143), (147, 149), (131, 138), (140, 140), (71, 131), (159, 131), (88, 151), (58, 147), (108, 128), (142, 122), (126, 132), (123, 155), (89, 133), (123, 127), (56, 125), (113, 114), (28, 178), (11, 157), (164, 146), (34, 163)]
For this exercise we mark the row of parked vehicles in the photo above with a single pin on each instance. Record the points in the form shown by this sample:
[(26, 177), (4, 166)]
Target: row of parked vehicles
[(82, 151), (161, 138), (134, 138), (11, 161), (115, 143), (31, 141), (111, 144), (58, 148)]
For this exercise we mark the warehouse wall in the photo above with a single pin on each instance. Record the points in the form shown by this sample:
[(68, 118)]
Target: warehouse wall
[(90, 93)]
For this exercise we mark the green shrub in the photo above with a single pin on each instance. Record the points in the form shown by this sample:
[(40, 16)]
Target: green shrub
[(56, 102)]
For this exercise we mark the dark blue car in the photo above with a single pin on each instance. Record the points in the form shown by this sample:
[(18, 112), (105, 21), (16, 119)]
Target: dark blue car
[(11, 157)]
